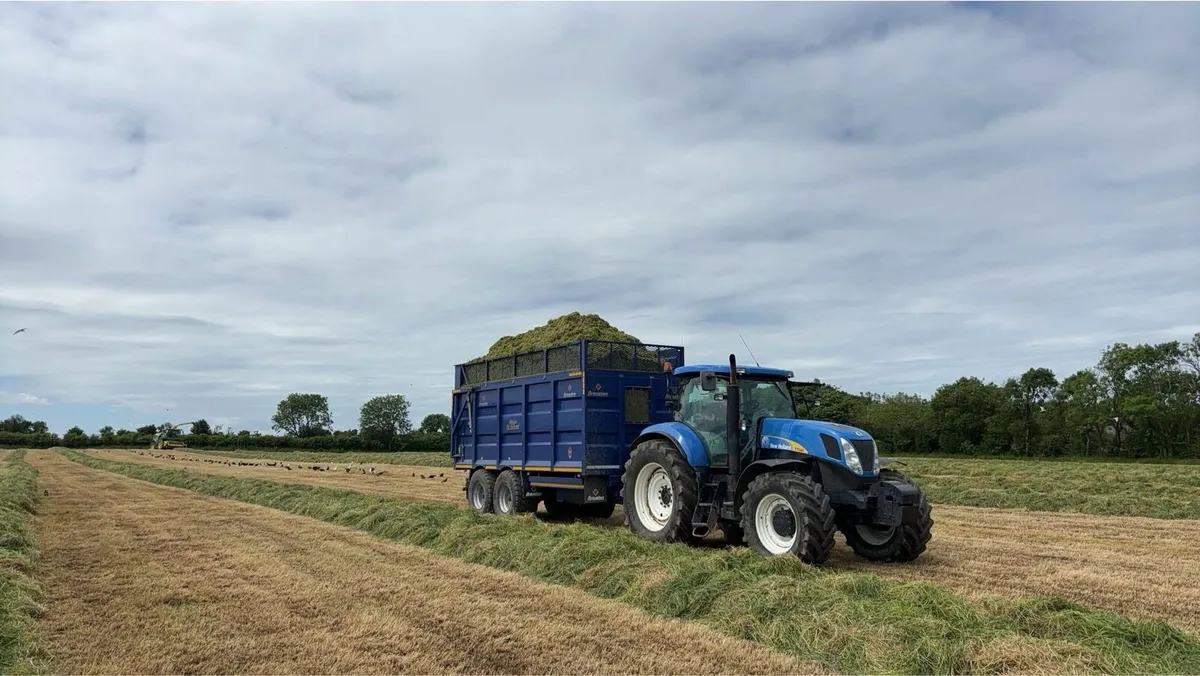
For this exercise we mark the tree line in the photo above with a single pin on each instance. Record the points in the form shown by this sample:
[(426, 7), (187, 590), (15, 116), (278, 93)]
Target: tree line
[(303, 421), (1138, 401)]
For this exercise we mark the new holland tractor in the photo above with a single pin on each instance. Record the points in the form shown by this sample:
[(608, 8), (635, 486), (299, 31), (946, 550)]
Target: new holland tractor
[(788, 485), (686, 449)]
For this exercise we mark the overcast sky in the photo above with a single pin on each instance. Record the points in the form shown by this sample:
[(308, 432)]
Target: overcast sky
[(204, 207)]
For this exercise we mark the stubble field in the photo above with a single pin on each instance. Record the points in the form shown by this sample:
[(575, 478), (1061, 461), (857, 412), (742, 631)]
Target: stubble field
[(242, 565)]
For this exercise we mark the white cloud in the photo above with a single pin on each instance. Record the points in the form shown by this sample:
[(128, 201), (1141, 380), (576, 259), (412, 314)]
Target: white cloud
[(206, 207), (22, 398)]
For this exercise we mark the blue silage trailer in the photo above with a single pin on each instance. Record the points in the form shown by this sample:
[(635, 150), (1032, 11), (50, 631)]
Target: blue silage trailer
[(584, 426), (559, 420)]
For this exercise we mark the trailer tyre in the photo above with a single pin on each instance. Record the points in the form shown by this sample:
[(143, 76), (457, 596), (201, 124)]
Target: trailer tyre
[(659, 492), (788, 513), (892, 544), (481, 488), (508, 495)]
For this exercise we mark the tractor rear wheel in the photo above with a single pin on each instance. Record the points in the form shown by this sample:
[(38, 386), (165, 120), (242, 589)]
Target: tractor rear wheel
[(659, 491), (481, 488), (509, 495), (891, 543), (788, 513)]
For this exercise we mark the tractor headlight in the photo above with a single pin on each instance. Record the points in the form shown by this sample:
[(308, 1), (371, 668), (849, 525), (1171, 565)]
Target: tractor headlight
[(851, 456)]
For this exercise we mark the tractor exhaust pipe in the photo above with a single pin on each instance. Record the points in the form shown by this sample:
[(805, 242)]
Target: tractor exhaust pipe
[(733, 420)]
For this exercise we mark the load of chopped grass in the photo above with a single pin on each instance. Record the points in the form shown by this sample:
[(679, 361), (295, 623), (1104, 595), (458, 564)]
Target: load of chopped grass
[(564, 329), (855, 622), (21, 650)]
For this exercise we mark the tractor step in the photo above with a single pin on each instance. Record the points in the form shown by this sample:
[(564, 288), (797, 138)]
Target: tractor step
[(708, 508)]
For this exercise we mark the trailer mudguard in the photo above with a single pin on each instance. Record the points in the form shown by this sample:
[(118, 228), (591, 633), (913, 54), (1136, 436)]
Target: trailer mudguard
[(684, 438)]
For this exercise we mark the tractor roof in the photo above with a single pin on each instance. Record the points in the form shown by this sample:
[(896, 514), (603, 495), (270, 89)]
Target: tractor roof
[(723, 369)]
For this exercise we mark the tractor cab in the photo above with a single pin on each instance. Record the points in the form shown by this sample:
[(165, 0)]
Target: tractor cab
[(703, 399)]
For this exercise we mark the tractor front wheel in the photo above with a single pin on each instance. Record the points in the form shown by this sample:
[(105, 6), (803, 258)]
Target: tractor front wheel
[(892, 543), (659, 491), (788, 513)]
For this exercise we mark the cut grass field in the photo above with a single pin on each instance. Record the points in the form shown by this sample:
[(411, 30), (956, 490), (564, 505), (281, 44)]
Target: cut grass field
[(21, 651), (146, 579), (1156, 490), (974, 550), (854, 622), (1087, 486)]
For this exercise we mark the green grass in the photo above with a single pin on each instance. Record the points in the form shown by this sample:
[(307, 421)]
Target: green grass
[(852, 622), (423, 459), (1162, 491), (21, 651), (1166, 490)]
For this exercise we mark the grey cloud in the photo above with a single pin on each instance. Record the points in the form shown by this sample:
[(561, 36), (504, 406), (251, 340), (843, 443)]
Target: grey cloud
[(351, 198)]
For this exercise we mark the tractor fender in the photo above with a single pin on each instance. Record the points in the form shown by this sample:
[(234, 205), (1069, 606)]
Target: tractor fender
[(683, 437), (800, 465)]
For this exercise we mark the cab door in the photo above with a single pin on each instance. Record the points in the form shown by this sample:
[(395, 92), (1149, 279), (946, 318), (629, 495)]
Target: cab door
[(704, 412)]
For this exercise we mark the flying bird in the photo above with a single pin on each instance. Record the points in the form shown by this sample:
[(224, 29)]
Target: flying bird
[(18, 331)]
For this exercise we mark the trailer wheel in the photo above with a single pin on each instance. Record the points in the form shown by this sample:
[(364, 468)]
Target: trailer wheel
[(508, 496), (659, 492), (480, 490), (788, 513), (892, 544)]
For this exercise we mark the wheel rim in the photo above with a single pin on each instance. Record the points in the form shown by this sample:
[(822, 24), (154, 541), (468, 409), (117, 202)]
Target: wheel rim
[(477, 496), (874, 535), (653, 497), (775, 523), (504, 499)]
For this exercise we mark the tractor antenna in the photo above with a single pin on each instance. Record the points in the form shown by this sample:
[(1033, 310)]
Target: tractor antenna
[(749, 350)]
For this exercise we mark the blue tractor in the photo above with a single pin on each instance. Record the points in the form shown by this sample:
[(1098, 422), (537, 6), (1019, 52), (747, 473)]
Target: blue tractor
[(788, 485), (688, 450)]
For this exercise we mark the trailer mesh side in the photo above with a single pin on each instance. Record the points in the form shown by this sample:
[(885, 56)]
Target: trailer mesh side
[(600, 355)]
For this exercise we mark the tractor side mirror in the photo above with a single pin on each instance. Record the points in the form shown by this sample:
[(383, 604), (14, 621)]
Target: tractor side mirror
[(708, 381)]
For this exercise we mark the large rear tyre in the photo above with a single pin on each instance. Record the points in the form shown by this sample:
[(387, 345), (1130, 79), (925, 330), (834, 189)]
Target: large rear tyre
[(892, 544), (788, 513), (509, 495), (659, 492), (481, 491)]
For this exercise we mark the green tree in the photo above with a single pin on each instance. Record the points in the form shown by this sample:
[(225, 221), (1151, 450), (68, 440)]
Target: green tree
[(147, 430), (384, 419), (901, 423), (201, 426), (303, 415), (16, 424), (1028, 396), (436, 423), (965, 417), (831, 404)]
